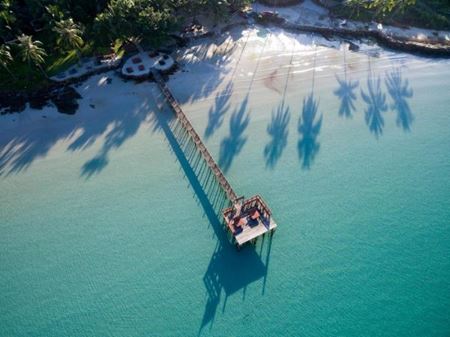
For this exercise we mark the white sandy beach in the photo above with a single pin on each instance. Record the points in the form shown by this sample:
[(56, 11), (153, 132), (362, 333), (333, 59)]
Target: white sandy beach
[(231, 65)]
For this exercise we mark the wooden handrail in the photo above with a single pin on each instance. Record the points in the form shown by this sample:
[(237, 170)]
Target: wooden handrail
[(195, 137)]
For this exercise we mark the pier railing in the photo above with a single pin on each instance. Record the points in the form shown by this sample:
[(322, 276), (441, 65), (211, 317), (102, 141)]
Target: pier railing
[(223, 182)]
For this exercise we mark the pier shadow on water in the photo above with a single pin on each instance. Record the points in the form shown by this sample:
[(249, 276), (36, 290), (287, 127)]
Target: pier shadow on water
[(232, 145), (229, 270), (400, 91), (309, 126)]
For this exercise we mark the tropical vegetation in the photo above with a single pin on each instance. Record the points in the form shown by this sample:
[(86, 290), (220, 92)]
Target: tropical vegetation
[(433, 14), (39, 38)]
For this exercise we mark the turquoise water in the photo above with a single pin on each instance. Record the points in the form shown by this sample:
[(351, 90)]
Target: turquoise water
[(108, 225)]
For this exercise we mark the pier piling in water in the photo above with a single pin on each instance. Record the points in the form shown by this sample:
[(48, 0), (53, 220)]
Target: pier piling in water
[(246, 219)]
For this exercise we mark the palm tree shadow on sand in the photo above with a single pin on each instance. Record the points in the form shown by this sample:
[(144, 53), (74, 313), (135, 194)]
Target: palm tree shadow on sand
[(376, 105), (121, 131), (400, 91), (116, 128), (347, 96), (309, 128), (278, 131), (217, 112), (278, 127), (345, 92), (232, 145)]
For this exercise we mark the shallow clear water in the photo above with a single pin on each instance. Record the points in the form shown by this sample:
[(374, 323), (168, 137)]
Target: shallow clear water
[(107, 228)]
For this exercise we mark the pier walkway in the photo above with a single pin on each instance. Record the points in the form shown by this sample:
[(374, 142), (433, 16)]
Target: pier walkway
[(232, 196), (246, 219)]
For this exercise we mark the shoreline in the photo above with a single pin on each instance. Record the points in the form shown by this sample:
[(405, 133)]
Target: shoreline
[(312, 18), (16, 101), (382, 39)]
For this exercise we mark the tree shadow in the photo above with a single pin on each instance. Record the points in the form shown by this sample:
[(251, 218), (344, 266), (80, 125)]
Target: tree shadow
[(229, 270), (278, 131), (210, 66), (309, 130), (232, 145), (217, 112), (346, 94), (376, 105), (278, 127), (121, 130), (400, 91), (21, 150), (25, 146)]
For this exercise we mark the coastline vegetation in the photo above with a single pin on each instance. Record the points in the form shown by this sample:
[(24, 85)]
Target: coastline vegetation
[(39, 38), (431, 14)]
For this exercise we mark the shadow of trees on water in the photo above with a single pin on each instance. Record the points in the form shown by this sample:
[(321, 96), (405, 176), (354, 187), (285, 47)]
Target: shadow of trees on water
[(232, 145), (217, 112), (309, 126), (400, 91), (375, 100), (347, 96), (23, 149), (278, 132)]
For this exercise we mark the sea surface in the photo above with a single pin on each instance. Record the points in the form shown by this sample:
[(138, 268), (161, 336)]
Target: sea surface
[(110, 224)]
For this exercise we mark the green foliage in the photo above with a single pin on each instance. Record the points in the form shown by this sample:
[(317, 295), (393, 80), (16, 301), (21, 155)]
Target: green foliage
[(5, 57), (53, 14), (69, 35), (31, 51), (380, 7), (69, 28), (124, 19), (7, 18), (434, 14)]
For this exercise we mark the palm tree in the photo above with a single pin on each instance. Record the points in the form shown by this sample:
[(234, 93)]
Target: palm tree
[(69, 36), (31, 52), (6, 58)]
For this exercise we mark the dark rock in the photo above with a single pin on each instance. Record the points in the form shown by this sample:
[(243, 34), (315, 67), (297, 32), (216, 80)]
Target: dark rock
[(13, 102), (352, 46), (66, 100), (39, 99)]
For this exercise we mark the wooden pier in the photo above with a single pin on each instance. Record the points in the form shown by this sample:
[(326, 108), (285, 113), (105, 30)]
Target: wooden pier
[(241, 232), (232, 196)]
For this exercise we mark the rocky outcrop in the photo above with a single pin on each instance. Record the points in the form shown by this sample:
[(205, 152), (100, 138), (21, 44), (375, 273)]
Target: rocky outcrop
[(424, 48)]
